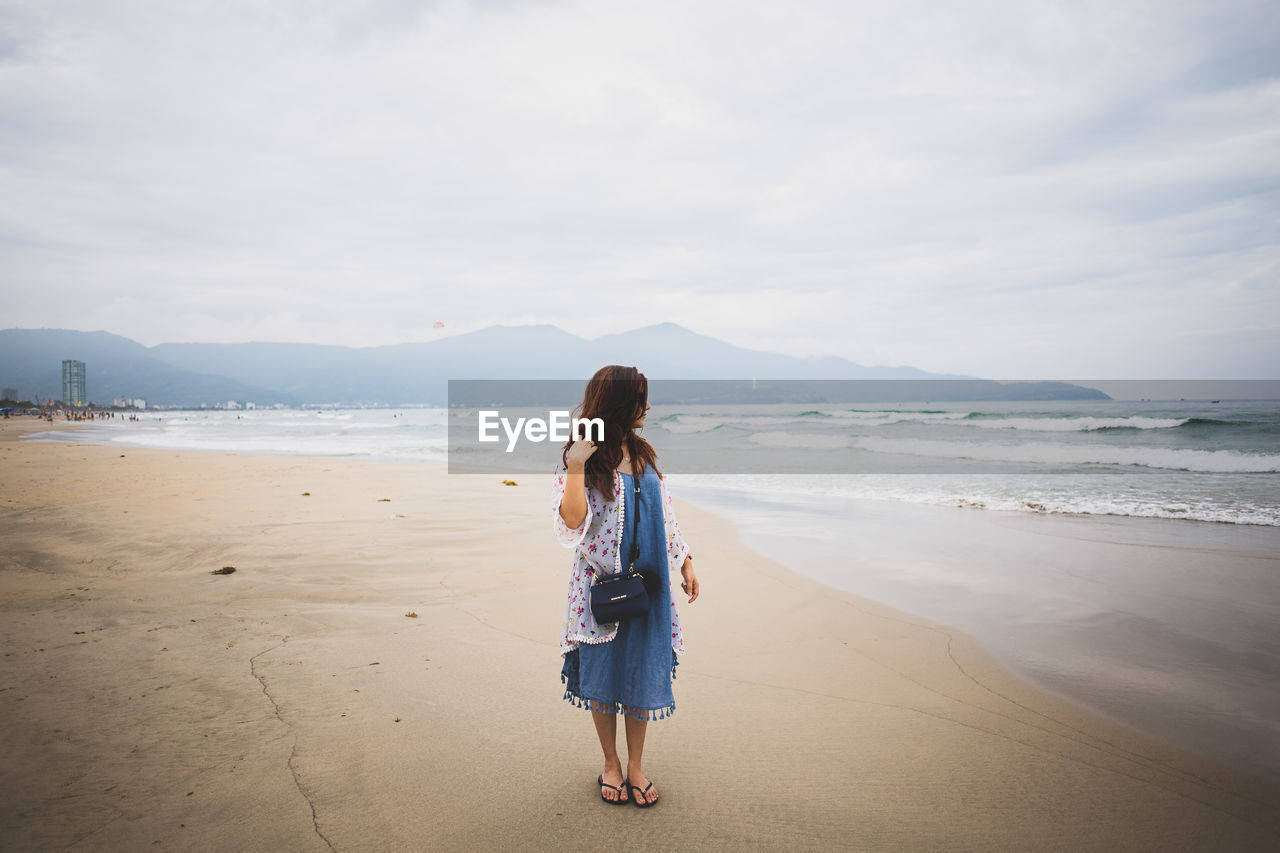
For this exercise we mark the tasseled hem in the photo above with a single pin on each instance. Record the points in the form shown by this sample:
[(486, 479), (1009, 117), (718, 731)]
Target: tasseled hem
[(617, 707), (572, 694)]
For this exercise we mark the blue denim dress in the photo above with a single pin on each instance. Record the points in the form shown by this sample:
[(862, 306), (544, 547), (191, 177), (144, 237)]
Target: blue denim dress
[(632, 673)]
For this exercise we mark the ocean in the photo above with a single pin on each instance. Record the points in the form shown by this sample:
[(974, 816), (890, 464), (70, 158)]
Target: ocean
[(1188, 461), (1191, 461)]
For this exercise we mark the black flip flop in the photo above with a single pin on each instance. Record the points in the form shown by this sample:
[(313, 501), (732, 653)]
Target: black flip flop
[(618, 788), (640, 800)]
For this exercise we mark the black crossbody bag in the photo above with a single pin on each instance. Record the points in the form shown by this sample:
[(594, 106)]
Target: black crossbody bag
[(615, 598)]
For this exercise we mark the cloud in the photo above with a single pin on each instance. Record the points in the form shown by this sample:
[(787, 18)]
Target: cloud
[(1048, 188)]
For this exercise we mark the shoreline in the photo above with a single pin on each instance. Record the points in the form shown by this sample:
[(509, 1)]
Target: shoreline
[(298, 704)]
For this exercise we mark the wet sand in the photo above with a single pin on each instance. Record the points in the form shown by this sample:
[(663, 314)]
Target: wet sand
[(294, 705), (1172, 627)]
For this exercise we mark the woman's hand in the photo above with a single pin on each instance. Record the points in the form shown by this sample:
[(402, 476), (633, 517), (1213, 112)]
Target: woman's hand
[(579, 452), (690, 582)]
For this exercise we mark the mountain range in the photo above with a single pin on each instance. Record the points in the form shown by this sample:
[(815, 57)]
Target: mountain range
[(195, 374)]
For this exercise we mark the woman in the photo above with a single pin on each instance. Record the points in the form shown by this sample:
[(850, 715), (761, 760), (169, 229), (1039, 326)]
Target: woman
[(625, 666)]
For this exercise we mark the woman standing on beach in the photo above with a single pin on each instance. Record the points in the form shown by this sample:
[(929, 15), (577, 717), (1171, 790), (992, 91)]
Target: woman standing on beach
[(617, 667)]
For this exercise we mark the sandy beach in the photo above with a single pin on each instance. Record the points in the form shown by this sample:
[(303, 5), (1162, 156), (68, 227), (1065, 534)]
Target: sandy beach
[(293, 704)]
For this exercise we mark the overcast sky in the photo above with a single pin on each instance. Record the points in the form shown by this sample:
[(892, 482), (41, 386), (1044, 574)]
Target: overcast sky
[(1002, 189)]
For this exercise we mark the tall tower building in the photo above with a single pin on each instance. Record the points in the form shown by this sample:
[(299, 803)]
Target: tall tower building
[(73, 383)]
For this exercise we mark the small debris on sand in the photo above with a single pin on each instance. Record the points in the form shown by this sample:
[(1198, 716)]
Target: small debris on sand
[(397, 719), (384, 500), (510, 483), (306, 494), (225, 570), (412, 615)]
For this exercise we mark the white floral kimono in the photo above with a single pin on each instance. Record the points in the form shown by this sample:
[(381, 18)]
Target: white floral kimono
[(595, 545)]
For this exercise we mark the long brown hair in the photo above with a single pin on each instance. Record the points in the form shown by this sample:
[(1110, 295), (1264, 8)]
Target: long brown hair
[(617, 395)]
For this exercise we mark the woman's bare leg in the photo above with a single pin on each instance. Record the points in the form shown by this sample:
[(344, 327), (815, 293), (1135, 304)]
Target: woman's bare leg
[(636, 730), (607, 730)]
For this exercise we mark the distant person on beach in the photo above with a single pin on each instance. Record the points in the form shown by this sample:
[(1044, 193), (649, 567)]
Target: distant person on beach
[(622, 667)]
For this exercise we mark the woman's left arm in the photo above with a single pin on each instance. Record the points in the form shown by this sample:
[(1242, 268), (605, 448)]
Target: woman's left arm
[(690, 580), (678, 554)]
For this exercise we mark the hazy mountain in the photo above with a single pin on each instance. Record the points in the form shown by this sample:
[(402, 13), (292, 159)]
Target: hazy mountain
[(670, 351), (31, 362), (192, 374), (418, 372), (304, 372)]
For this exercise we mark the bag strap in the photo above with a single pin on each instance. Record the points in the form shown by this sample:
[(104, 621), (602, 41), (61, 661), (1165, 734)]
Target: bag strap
[(635, 536)]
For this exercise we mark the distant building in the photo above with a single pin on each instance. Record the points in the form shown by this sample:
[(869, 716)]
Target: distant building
[(121, 402), (139, 403), (73, 383), (9, 394)]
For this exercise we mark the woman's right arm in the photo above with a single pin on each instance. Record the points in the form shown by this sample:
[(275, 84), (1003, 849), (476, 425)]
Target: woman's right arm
[(573, 507)]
